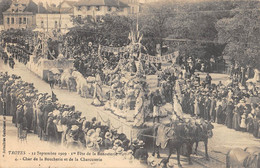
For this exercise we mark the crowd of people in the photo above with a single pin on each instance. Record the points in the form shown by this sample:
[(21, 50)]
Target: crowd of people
[(42, 114), (232, 104), (18, 52)]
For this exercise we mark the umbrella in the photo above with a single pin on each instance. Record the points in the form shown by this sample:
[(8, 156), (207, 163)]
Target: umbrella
[(253, 100)]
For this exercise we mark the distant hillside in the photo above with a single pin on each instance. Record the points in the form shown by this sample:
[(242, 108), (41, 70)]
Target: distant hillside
[(4, 5)]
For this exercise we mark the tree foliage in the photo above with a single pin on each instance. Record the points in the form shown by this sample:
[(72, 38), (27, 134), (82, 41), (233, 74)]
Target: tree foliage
[(4, 5), (242, 34)]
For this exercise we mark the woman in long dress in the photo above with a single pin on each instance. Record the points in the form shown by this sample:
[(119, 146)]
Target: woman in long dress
[(219, 111), (236, 119), (177, 107), (196, 107), (229, 114), (98, 95), (139, 110)]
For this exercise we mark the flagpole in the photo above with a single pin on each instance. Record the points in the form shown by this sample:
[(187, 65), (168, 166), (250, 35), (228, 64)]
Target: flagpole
[(137, 22)]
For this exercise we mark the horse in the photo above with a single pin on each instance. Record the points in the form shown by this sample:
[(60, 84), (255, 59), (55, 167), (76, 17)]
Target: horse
[(84, 86), (177, 134), (237, 157), (65, 77), (202, 133)]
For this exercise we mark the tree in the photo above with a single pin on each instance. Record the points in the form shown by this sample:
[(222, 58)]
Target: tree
[(4, 5), (242, 34), (109, 30), (153, 24)]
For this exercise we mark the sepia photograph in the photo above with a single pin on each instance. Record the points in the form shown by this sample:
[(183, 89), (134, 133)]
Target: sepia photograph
[(130, 83)]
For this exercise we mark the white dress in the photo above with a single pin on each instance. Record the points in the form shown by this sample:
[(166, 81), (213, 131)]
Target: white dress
[(196, 108), (177, 107), (139, 111), (243, 122)]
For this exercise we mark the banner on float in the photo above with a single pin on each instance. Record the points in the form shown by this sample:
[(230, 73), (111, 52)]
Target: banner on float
[(117, 49), (143, 57), (159, 59)]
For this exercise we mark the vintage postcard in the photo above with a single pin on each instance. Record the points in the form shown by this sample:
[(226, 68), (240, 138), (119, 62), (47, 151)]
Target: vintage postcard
[(129, 83)]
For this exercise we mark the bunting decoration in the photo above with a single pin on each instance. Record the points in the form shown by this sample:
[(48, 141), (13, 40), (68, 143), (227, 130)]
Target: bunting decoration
[(144, 57), (128, 48)]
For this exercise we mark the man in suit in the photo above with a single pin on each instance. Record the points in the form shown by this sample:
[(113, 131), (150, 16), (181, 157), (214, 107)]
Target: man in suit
[(157, 102), (141, 154), (207, 108), (212, 111)]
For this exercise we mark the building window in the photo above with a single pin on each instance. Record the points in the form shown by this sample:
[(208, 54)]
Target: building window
[(56, 24), (12, 20), (8, 20), (24, 20), (109, 8), (133, 10), (88, 8), (79, 8), (97, 8), (20, 20), (42, 24)]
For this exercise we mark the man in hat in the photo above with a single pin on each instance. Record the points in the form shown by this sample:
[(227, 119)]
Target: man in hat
[(212, 111), (197, 79), (51, 131), (157, 102), (207, 108), (208, 79), (141, 154), (134, 145), (28, 112), (108, 140)]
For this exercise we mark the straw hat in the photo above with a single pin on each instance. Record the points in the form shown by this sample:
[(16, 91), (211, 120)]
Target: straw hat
[(91, 132), (130, 152), (99, 140), (118, 142), (141, 143), (108, 135), (74, 127), (119, 150), (90, 144)]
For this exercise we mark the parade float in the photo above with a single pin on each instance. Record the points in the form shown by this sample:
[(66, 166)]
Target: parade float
[(130, 89), (39, 62)]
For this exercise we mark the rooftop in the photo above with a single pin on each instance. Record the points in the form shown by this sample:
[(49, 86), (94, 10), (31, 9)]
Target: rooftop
[(23, 6), (114, 3)]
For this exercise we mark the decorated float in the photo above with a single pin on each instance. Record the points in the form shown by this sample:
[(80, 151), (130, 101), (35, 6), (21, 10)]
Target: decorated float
[(39, 62)]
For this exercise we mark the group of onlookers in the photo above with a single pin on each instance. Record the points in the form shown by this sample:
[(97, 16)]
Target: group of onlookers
[(42, 114), (234, 105)]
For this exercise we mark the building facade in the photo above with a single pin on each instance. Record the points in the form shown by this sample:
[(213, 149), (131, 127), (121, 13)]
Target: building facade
[(21, 14), (56, 18), (52, 21), (96, 8), (134, 6)]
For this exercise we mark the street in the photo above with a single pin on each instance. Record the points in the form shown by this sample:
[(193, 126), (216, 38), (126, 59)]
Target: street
[(223, 138)]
